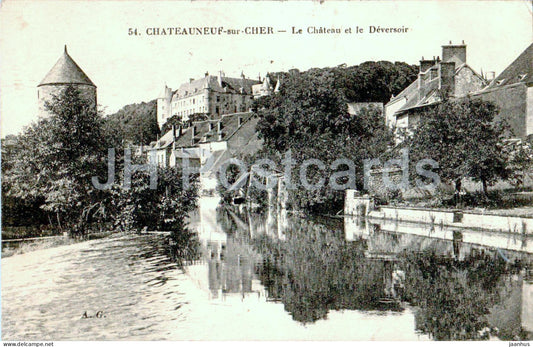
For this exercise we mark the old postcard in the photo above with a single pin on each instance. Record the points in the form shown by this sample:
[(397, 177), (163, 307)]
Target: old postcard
[(266, 170)]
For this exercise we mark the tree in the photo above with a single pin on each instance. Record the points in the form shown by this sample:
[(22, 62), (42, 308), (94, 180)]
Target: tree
[(374, 80), (172, 121), (464, 139), (135, 123), (520, 164), (198, 117), (309, 116), (177, 121), (56, 158), (163, 208)]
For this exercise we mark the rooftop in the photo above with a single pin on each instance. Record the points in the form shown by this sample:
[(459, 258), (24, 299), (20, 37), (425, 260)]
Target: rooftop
[(520, 70), (66, 71), (220, 84)]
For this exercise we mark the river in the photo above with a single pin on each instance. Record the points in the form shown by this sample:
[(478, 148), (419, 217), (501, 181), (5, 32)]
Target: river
[(276, 278)]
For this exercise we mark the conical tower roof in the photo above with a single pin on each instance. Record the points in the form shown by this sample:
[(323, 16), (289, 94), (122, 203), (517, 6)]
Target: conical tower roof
[(66, 71)]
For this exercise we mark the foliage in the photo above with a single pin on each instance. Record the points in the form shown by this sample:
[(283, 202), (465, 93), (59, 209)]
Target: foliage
[(15, 210), (50, 166), (198, 117), (309, 117), (164, 208), (172, 121), (374, 81), (232, 174), (177, 121), (520, 161), (134, 123), (464, 139), (56, 157)]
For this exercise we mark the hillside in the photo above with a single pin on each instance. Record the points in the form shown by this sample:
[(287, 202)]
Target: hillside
[(134, 123)]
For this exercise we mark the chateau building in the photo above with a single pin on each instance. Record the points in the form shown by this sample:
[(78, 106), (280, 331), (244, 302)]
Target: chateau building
[(64, 73), (210, 95), (451, 77)]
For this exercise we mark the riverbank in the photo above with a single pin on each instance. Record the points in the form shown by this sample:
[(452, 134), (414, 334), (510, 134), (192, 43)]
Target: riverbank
[(12, 247), (456, 218), (503, 220)]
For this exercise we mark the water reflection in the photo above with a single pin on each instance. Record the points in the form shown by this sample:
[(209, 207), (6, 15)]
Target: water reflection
[(461, 285), (251, 277)]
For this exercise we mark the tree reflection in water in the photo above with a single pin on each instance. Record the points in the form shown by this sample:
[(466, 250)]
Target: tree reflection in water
[(315, 270), (454, 297)]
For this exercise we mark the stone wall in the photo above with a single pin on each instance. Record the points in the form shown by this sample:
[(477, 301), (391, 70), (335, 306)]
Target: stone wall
[(466, 81), (508, 224), (511, 101)]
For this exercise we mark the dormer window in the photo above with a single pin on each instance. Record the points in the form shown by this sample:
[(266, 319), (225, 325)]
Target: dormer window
[(500, 82), (521, 77)]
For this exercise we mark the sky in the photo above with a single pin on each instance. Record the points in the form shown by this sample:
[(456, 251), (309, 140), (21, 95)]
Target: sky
[(135, 68)]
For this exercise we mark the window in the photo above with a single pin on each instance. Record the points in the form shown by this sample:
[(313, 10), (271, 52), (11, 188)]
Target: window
[(218, 99)]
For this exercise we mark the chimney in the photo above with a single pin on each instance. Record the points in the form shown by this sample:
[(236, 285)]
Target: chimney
[(447, 77), (433, 72), (193, 133), (455, 53), (220, 75), (426, 64), (191, 80), (423, 78), (219, 130), (206, 74)]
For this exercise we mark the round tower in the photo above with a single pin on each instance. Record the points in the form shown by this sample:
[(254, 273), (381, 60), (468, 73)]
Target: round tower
[(64, 73)]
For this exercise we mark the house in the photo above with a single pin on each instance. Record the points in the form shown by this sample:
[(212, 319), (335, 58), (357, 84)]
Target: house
[(208, 144), (265, 88), (450, 77), (512, 92)]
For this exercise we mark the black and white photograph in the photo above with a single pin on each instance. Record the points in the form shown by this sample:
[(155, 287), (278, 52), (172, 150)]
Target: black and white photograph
[(266, 171)]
